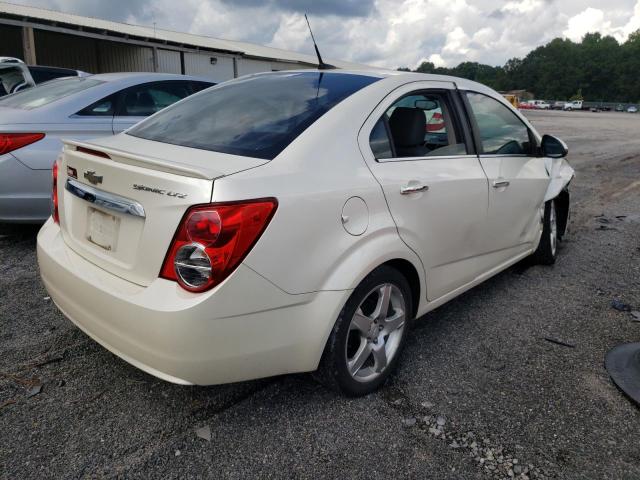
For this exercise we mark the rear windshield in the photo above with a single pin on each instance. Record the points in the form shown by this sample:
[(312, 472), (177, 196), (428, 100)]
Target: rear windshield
[(47, 92), (255, 117)]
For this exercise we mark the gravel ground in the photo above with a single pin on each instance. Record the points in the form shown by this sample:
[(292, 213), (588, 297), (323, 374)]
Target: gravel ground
[(480, 393)]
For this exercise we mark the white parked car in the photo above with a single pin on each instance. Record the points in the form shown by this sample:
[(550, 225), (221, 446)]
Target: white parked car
[(573, 105), (297, 221), (540, 104)]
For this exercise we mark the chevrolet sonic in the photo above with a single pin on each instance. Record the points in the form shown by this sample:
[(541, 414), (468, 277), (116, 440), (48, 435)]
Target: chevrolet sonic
[(297, 221)]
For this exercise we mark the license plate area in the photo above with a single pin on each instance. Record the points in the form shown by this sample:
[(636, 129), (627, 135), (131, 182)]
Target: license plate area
[(102, 229)]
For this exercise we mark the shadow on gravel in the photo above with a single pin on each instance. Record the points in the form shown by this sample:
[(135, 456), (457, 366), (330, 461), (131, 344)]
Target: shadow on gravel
[(18, 230)]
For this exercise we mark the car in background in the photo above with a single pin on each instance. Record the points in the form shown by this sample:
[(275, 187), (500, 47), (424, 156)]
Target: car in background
[(619, 108), (632, 109), (540, 104), (573, 105), (526, 105), (34, 121), (296, 221), (15, 75), (558, 105)]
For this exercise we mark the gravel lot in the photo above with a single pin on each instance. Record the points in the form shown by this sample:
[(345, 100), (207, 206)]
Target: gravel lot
[(480, 393)]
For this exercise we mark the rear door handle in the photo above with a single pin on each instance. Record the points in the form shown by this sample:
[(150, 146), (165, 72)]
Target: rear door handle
[(500, 183), (407, 189)]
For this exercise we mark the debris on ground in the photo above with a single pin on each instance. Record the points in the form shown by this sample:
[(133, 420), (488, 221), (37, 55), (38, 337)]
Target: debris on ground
[(33, 391), (635, 315), (619, 305), (409, 422), (204, 433), (6, 403), (559, 342)]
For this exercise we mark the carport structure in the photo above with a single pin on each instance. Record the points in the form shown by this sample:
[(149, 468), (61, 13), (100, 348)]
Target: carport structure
[(45, 37)]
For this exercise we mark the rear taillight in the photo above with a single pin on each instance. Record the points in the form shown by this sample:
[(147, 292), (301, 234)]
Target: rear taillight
[(13, 141), (212, 240), (54, 193)]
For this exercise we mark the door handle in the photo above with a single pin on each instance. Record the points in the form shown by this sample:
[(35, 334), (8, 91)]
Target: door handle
[(407, 189), (500, 183)]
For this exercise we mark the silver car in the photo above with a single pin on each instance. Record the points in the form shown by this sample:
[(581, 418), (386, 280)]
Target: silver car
[(33, 122)]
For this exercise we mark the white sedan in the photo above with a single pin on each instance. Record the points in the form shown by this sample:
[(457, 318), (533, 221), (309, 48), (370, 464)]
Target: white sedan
[(297, 221)]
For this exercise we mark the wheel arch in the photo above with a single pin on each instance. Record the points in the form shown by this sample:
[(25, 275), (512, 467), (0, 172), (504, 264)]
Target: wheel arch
[(409, 271), (405, 267), (562, 202)]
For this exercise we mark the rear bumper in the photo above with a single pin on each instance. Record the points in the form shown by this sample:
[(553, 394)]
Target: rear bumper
[(25, 194), (243, 329)]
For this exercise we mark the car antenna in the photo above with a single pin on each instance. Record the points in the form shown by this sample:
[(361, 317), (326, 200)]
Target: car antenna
[(321, 64)]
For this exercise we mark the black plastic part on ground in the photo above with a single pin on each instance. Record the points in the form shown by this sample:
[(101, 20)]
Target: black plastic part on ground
[(623, 364)]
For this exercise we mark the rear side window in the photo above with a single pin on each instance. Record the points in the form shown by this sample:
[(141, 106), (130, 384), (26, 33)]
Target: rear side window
[(47, 93), (197, 85), (102, 108), (421, 124), (379, 141), (256, 116), (501, 131), (149, 98)]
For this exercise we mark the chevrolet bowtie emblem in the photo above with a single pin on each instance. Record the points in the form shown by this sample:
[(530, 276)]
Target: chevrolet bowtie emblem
[(92, 177)]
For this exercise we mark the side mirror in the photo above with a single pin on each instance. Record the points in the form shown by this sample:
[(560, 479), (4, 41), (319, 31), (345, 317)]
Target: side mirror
[(553, 147)]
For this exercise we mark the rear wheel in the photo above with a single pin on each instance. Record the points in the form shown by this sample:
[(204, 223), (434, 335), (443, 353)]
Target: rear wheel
[(366, 341), (547, 251)]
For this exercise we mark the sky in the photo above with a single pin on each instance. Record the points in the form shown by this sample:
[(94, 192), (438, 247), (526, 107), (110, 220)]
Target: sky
[(385, 33)]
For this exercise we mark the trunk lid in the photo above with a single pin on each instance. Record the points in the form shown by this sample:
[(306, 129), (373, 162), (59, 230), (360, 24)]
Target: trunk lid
[(121, 212)]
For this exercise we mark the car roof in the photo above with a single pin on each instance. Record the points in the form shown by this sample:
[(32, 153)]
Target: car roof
[(145, 77), (399, 77)]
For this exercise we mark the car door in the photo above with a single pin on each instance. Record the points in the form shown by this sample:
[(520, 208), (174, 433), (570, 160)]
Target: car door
[(432, 180), (518, 179), (138, 102), (95, 120)]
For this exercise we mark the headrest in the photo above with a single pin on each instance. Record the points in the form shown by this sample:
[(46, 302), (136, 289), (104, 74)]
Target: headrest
[(140, 104), (407, 126)]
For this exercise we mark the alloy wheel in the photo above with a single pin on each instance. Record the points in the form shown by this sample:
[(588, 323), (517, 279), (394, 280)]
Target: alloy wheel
[(375, 332)]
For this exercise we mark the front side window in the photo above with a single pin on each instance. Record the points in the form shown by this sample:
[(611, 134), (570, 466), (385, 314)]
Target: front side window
[(48, 92), (420, 125), (501, 131), (258, 116)]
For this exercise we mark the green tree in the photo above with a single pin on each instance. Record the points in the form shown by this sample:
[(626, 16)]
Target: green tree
[(597, 67)]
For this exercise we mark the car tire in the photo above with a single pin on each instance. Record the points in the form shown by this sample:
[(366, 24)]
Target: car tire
[(365, 344), (547, 250)]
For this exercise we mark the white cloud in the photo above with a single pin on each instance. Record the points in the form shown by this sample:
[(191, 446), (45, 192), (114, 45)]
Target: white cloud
[(437, 60), (589, 20), (392, 33), (634, 22), (524, 6)]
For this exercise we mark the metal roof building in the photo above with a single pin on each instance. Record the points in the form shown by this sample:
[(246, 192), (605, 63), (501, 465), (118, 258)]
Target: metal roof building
[(46, 37)]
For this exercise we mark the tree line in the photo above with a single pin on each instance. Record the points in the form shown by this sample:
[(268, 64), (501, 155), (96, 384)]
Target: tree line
[(598, 68)]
